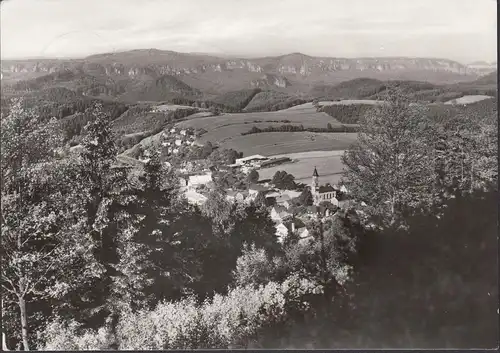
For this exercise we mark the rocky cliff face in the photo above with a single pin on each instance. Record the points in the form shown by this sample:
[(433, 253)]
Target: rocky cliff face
[(269, 80), (282, 71)]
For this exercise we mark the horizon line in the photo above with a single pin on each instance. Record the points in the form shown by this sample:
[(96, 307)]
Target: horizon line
[(235, 56)]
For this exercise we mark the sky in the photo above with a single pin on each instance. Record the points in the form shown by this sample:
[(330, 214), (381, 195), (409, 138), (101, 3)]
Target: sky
[(462, 30)]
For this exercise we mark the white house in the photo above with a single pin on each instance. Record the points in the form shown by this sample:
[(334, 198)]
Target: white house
[(195, 198), (303, 232), (196, 180), (178, 142), (183, 132), (236, 195), (343, 189), (281, 232)]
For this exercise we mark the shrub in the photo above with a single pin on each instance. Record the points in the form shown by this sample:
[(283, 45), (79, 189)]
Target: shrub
[(68, 335), (254, 267), (226, 321)]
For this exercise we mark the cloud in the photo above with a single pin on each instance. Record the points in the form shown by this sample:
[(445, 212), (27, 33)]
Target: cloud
[(259, 27)]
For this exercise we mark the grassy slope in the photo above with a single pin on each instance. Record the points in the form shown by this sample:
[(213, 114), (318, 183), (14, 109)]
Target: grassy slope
[(226, 130)]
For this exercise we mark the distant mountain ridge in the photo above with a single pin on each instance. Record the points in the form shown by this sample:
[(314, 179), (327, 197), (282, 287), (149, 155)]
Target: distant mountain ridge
[(204, 72)]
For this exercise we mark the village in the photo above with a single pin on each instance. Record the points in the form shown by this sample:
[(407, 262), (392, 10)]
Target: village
[(289, 213)]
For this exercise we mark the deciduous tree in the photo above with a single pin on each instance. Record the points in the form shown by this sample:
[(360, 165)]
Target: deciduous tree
[(391, 165)]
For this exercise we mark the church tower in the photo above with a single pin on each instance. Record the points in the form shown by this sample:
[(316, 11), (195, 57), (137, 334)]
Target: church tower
[(315, 177), (315, 186)]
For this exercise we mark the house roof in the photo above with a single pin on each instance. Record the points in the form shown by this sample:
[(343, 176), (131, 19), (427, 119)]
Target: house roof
[(279, 209), (235, 193), (257, 187), (325, 188), (283, 197), (249, 158), (282, 227), (275, 160), (273, 194), (313, 209)]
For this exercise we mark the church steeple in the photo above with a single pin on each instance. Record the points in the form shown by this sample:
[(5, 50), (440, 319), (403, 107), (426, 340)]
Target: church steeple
[(314, 183)]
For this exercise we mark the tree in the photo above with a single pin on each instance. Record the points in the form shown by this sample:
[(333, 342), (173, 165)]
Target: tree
[(254, 225), (256, 267), (283, 180), (224, 156), (305, 198), (466, 151), (327, 258), (391, 165), (260, 199), (39, 250), (105, 197), (214, 110), (253, 176), (207, 150), (219, 210), (327, 205)]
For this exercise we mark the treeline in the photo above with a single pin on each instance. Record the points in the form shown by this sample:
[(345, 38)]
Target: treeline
[(74, 116), (300, 128), (141, 118), (365, 88), (346, 113), (42, 81), (237, 100), (139, 122), (267, 101)]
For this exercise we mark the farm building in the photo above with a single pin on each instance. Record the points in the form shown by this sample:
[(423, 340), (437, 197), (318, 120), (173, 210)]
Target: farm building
[(275, 161), (250, 160)]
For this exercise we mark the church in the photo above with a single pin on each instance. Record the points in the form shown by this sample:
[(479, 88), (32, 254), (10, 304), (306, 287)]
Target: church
[(323, 192)]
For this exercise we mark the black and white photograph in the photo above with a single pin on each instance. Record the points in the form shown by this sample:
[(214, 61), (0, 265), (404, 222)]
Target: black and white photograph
[(249, 174)]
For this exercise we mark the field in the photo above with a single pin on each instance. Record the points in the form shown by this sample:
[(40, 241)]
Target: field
[(468, 99), (272, 143), (226, 129), (328, 164)]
